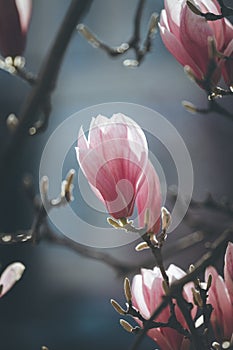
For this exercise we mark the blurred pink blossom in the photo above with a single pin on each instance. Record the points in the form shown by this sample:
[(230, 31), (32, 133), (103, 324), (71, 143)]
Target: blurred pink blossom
[(147, 293), (10, 276), (14, 22), (113, 159), (186, 36), (221, 298), (227, 66)]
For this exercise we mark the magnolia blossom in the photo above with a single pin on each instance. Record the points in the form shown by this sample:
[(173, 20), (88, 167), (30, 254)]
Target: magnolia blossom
[(227, 65), (221, 298), (149, 200), (186, 35), (113, 159), (14, 22), (10, 276), (147, 293)]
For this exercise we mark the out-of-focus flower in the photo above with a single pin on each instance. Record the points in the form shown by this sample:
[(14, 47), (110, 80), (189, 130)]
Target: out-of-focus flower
[(186, 35), (221, 298), (14, 22), (148, 200), (227, 65), (147, 293), (113, 159), (10, 276)]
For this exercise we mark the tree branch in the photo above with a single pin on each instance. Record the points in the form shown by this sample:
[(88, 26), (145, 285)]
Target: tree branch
[(39, 97)]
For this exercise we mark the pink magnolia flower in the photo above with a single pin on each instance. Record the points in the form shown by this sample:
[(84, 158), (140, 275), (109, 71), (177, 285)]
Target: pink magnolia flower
[(149, 199), (221, 298), (147, 293), (186, 36), (14, 22), (10, 276), (113, 159), (227, 65)]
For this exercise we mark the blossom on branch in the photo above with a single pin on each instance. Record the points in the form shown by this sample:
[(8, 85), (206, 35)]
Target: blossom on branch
[(14, 22), (197, 43), (113, 159), (10, 276), (221, 298), (147, 294)]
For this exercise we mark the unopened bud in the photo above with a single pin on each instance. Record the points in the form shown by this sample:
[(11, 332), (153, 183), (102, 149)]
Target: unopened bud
[(117, 307), (127, 290), (190, 73), (113, 223), (88, 35), (191, 268), (153, 24), (130, 63), (44, 185), (166, 218), (141, 246), (19, 62), (67, 186), (189, 107), (197, 298), (12, 122), (126, 326), (226, 345), (216, 345)]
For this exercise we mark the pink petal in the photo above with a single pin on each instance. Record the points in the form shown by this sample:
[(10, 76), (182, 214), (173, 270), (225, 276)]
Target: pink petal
[(228, 269), (138, 296), (149, 198), (173, 12), (194, 33), (161, 339), (227, 65), (10, 276), (222, 315), (14, 22), (176, 48), (25, 9)]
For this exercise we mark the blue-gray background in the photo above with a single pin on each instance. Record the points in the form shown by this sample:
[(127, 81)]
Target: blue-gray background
[(63, 299)]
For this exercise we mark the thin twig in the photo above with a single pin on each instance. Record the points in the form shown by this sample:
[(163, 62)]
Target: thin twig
[(134, 43)]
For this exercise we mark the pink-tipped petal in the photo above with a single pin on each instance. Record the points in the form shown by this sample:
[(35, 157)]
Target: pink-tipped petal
[(194, 34), (227, 64), (173, 10), (10, 276), (228, 270), (138, 296), (14, 22), (219, 298), (24, 9), (177, 49), (149, 199)]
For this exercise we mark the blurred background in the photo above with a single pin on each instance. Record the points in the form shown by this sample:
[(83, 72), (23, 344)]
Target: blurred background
[(62, 300)]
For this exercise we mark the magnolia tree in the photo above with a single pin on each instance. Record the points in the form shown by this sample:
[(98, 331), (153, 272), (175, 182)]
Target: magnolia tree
[(176, 309)]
